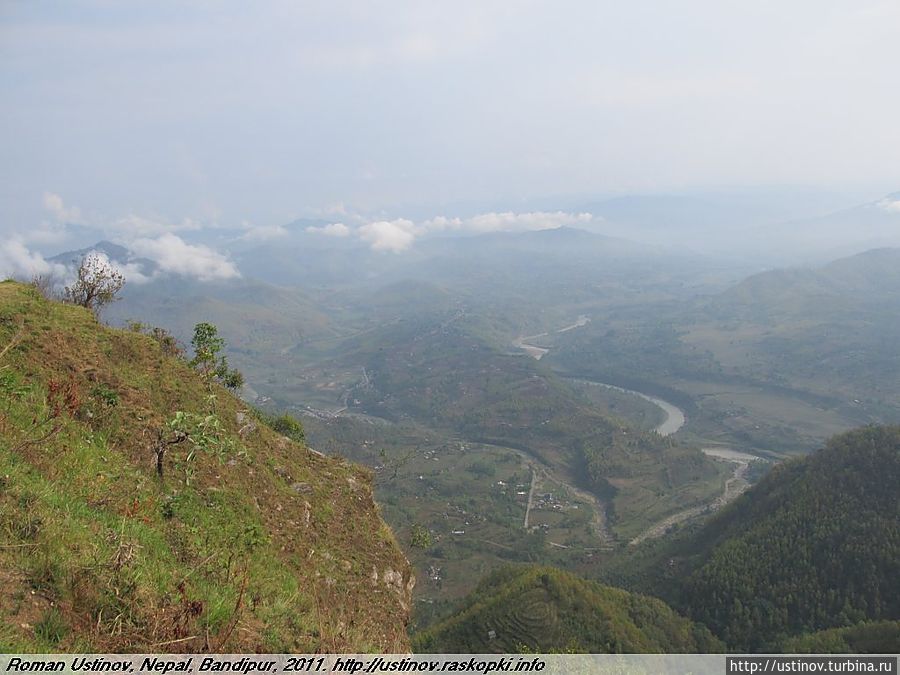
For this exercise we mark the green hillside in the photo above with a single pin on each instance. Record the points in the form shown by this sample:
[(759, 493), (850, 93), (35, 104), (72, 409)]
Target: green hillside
[(814, 545), (543, 609), (243, 540), (880, 637), (776, 363), (828, 331), (442, 372)]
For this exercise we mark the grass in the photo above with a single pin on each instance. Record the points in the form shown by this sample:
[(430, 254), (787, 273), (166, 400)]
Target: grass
[(220, 553)]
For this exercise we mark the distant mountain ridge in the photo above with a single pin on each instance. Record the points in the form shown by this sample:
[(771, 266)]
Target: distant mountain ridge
[(116, 253), (871, 276)]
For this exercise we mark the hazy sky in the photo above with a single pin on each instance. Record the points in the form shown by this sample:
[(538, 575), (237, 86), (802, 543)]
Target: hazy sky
[(226, 112)]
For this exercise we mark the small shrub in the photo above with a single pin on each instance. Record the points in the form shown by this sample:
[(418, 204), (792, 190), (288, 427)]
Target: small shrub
[(46, 286), (168, 508), (105, 396), (209, 361), (287, 425), (168, 342), (420, 537), (283, 423)]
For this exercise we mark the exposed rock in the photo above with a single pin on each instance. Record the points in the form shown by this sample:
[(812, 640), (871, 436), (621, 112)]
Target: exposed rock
[(393, 580)]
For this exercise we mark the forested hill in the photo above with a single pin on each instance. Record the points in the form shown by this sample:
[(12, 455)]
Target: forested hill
[(145, 508), (849, 284), (878, 637), (543, 609), (814, 545)]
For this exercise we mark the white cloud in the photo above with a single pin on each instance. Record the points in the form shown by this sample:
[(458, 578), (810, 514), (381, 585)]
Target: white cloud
[(174, 255), (18, 262), (264, 232), (330, 230), (130, 270), (389, 235), (508, 221), (398, 235), (890, 205), (61, 213)]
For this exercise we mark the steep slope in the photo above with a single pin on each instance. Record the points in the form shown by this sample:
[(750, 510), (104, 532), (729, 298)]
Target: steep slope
[(545, 609), (814, 545), (246, 541)]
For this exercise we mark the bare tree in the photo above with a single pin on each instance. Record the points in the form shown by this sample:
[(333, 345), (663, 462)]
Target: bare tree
[(97, 285)]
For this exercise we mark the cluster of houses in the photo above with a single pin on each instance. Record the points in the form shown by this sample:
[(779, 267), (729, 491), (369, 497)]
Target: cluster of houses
[(551, 502), (435, 575), (520, 489)]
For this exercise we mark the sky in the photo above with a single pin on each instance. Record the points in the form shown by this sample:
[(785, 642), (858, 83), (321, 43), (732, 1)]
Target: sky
[(153, 118)]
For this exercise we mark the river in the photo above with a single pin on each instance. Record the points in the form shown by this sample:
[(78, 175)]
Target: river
[(673, 421)]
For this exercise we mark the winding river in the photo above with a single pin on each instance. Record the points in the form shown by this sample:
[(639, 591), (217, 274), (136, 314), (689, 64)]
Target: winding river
[(674, 420)]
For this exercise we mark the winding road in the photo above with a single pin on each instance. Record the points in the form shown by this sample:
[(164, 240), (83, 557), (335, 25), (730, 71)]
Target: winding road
[(734, 487)]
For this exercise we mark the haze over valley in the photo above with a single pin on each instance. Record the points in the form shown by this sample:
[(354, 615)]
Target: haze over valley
[(525, 327)]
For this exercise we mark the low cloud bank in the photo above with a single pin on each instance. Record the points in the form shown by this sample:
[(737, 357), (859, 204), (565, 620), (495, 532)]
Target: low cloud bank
[(158, 241), (890, 204), (508, 221), (153, 239), (169, 254), (389, 235), (399, 235), (18, 262), (172, 254), (331, 230)]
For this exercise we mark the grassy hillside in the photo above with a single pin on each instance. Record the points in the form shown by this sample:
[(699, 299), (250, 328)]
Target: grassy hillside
[(543, 609), (246, 541), (814, 545)]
